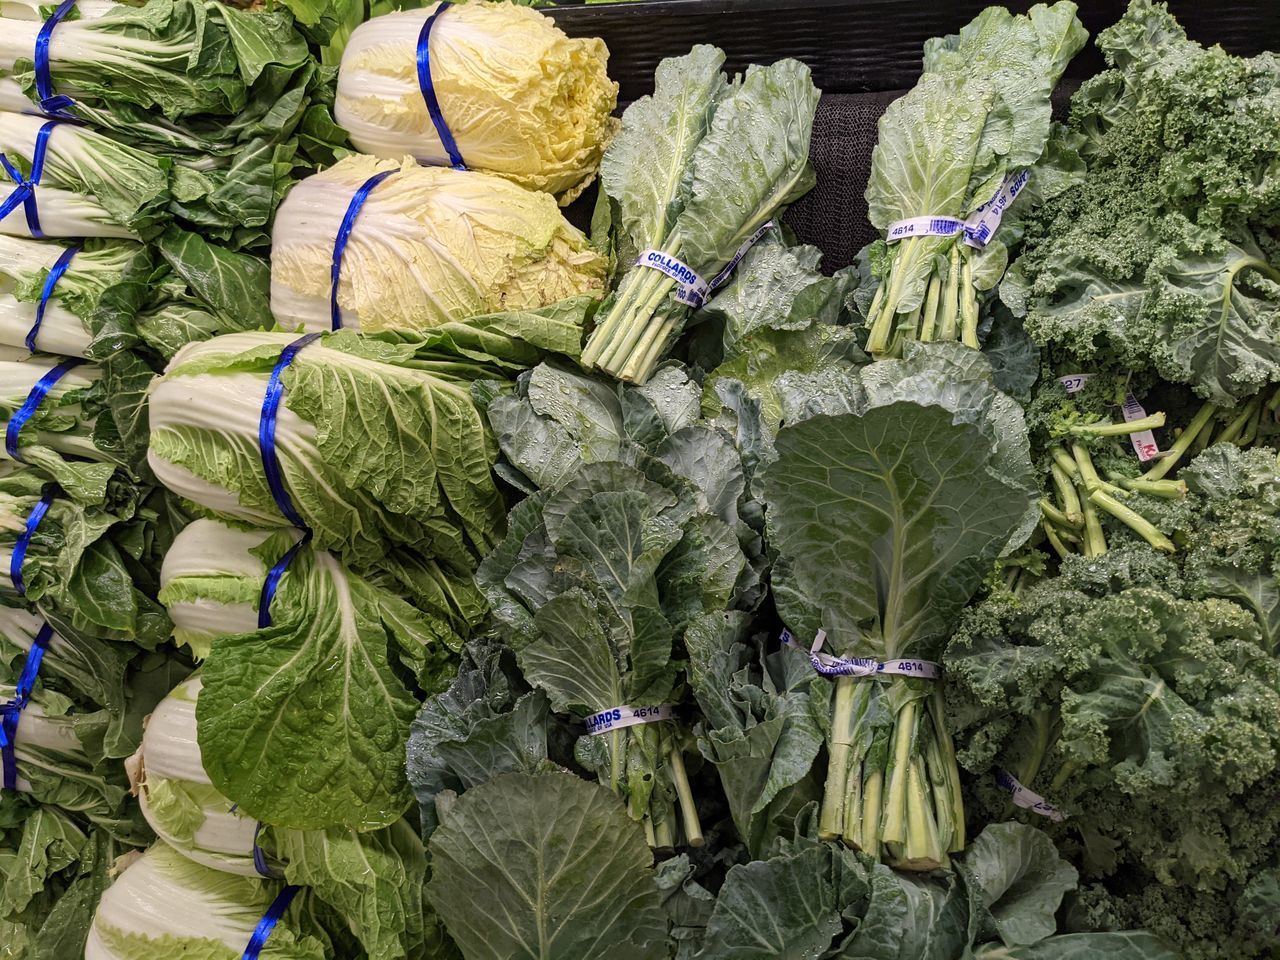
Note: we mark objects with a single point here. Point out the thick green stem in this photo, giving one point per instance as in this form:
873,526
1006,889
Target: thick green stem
872,794
688,809
894,829
616,744
1168,489
1095,541
1055,541
664,836
882,327
1054,515
1117,429
831,819
1169,459
929,318
1133,520
950,301
1066,773
1235,430
636,323
968,305
923,845
1067,495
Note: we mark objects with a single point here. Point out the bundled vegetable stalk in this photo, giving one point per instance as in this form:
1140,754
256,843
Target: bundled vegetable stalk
517,96
699,169
953,154
430,245
921,486
633,532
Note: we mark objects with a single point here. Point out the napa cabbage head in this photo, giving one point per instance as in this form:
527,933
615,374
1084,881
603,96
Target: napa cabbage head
522,99
431,245
164,905
176,796
210,583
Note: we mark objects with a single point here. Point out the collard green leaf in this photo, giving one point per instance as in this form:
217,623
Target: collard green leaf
546,866
887,522
1018,879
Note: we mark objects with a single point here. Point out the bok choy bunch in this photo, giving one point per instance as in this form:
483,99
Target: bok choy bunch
893,491
978,117
698,169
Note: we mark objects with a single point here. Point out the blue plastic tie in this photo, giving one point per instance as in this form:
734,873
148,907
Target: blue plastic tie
272,580
267,431
12,711
55,274
260,857
34,399
340,242
269,921
52,104
24,190
429,89
19,555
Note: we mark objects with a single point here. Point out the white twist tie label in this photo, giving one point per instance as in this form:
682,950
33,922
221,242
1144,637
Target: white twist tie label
982,224
1144,441
691,289
978,228
615,718
831,666
1022,797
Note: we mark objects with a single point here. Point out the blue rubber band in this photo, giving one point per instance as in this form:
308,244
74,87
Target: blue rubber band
272,580
24,190
267,431
11,712
260,857
269,921
340,242
50,103
34,399
429,90
19,555
55,274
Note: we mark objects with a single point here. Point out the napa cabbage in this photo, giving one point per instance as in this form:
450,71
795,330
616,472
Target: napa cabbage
430,245
521,99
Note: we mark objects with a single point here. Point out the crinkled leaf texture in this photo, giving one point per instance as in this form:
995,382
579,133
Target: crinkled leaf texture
537,866
303,723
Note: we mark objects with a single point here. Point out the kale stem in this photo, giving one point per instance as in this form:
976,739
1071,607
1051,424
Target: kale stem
831,819
1125,428
1133,520
930,317
1054,540
1180,446
1066,773
1064,462
688,810
1054,515
894,829
1168,489
1095,542
1067,495
1232,432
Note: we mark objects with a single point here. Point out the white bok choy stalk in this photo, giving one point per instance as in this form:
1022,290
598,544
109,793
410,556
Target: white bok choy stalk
430,245
68,323
90,185
521,99
176,796
164,905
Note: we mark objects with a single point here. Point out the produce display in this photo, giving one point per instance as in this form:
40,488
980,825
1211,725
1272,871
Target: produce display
445,516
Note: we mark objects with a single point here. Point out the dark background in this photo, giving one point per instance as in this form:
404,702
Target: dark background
864,54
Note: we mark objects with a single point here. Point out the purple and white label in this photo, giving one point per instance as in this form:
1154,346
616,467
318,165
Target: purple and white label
982,224
1022,797
691,289
615,718
832,666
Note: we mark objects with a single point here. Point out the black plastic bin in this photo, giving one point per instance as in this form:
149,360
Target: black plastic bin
864,54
